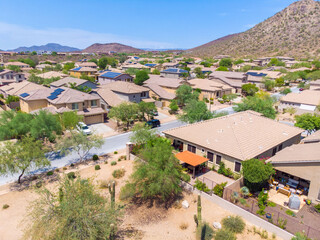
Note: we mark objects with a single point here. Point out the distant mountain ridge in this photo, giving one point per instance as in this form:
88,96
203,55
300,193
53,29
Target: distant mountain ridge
294,31
111,47
53,47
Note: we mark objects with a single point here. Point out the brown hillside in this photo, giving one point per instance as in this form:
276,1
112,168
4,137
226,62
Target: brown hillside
295,31
111,47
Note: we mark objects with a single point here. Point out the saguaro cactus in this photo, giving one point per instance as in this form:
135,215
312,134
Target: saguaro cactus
112,191
112,232
199,217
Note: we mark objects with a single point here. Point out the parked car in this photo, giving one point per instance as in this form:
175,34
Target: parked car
153,123
154,113
301,89
82,127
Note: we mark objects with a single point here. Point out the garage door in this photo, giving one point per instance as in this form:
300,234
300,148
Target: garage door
93,119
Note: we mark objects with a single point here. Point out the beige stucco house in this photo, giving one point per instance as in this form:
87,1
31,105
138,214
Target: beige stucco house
234,138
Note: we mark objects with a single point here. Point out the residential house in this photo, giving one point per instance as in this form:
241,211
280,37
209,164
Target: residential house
137,66
234,138
77,72
48,61
42,66
170,65
9,76
173,72
304,102
233,79
52,74
300,163
65,82
210,89
114,93
265,73
63,99
163,89
290,64
86,64
21,65
107,76
315,84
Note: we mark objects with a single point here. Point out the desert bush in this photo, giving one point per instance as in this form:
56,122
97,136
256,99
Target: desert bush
5,206
207,232
218,189
119,159
71,175
184,226
201,186
127,192
113,163
97,167
95,157
106,162
224,234
115,152
234,224
38,184
105,183
57,170
50,173
64,168
119,173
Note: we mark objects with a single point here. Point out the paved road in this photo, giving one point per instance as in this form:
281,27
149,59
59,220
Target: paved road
111,144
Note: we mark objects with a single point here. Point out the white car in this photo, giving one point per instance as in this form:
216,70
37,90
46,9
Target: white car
82,127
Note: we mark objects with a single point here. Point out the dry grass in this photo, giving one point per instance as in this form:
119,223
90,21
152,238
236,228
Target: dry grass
184,226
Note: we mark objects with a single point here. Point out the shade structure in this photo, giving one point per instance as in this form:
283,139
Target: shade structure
191,158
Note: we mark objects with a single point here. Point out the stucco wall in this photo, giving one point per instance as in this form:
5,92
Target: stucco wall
32,105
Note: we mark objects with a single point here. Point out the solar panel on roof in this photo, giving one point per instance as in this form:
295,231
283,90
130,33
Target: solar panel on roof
172,70
24,95
52,97
254,74
150,64
76,69
111,74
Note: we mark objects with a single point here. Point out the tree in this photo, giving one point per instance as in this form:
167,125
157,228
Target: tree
225,62
222,69
308,121
229,97
249,89
69,120
80,143
146,108
239,61
141,76
195,111
68,66
173,106
14,68
45,126
76,211
54,53
80,88
125,112
264,106
269,84
93,60
185,93
104,61
279,82
285,91
141,134
256,173
158,176
155,72
276,62
22,156
198,72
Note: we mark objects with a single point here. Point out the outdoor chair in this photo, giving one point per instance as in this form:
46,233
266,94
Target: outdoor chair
284,191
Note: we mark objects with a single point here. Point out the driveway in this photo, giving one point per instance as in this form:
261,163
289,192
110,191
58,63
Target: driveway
100,128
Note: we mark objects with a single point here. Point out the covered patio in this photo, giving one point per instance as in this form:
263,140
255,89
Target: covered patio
193,162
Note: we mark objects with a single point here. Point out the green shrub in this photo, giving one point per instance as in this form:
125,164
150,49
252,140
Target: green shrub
201,186
72,165
119,159
243,201
5,206
290,213
234,224
106,162
224,234
186,177
38,184
71,175
64,168
95,157
271,204
97,167
57,170
115,152
127,192
317,207
113,163
119,173
300,236
207,232
244,191
50,173
262,202
218,189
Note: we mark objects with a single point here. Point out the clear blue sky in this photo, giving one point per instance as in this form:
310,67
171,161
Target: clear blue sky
140,23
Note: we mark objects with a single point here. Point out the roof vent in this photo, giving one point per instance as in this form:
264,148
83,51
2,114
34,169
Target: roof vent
285,133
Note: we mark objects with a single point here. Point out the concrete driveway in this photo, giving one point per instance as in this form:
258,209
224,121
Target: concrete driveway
100,128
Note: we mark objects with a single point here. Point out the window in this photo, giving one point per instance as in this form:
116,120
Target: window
94,103
237,167
274,151
218,159
134,96
75,106
210,156
319,195
191,148
143,94
280,147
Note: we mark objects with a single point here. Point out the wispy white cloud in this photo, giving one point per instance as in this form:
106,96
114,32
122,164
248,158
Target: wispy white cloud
13,36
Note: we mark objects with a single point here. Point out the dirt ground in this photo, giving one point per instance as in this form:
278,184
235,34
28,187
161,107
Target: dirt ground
140,222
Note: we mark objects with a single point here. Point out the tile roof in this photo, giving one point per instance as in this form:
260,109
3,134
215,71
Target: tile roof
51,74
298,153
207,85
67,96
111,98
218,74
84,69
65,81
20,87
124,87
191,158
314,137
161,92
242,135
308,97
174,70
164,82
